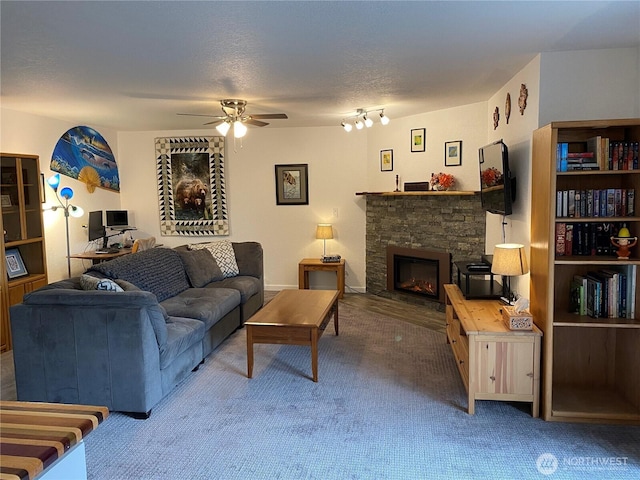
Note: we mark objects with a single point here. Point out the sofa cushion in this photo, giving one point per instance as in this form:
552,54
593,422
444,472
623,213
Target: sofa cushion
182,333
157,270
224,255
89,282
246,285
200,266
208,305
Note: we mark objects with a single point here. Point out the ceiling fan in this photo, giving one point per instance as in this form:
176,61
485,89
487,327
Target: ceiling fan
234,115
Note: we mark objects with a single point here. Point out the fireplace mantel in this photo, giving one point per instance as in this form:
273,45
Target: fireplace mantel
428,192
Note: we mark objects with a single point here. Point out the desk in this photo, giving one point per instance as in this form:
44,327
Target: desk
307,265
100,257
44,440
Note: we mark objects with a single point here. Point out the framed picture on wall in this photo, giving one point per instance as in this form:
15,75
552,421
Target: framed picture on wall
292,184
453,153
386,160
418,140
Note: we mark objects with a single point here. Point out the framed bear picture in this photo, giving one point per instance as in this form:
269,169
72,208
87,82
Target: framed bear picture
191,186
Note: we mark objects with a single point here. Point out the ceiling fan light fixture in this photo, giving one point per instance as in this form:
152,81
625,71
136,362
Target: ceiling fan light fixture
239,129
223,128
368,122
384,120
347,126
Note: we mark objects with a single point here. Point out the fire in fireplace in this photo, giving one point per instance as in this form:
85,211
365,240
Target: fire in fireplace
418,272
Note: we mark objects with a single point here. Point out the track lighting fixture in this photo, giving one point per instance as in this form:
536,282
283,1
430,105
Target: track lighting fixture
362,119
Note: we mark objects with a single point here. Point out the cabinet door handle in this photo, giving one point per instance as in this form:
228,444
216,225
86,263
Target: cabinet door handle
454,341
461,362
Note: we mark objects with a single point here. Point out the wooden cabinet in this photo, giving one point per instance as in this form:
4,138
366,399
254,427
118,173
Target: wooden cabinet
590,365
495,363
24,265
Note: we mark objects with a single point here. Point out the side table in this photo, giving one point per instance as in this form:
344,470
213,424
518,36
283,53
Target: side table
307,265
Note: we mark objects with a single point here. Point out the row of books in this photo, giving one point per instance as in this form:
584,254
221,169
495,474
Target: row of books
606,293
593,239
601,154
610,202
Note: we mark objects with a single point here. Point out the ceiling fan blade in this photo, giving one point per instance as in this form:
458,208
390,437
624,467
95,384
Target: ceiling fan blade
199,115
257,123
214,123
273,116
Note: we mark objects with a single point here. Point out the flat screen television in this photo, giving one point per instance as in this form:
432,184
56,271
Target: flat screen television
96,229
117,218
497,186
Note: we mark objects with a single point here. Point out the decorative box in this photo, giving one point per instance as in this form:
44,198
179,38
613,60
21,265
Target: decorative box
416,186
517,320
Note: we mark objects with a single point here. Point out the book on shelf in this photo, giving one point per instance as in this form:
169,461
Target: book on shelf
589,203
604,293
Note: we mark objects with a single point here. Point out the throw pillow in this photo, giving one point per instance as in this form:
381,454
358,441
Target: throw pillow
224,255
88,282
200,266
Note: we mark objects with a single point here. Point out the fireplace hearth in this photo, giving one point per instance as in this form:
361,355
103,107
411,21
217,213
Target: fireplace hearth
418,272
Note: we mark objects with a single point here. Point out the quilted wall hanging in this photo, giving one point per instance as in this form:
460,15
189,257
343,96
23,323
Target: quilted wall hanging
191,186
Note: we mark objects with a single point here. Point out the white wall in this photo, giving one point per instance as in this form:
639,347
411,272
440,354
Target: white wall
466,123
30,134
336,162
589,85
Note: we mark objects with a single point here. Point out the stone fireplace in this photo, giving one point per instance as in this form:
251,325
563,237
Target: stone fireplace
418,272
449,223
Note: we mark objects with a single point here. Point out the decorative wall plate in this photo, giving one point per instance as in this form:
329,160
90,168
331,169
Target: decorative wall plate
507,108
522,99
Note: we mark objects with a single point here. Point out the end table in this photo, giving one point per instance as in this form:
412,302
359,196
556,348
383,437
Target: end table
307,265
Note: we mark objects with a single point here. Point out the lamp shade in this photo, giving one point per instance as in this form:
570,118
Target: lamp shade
54,181
509,259
324,231
223,128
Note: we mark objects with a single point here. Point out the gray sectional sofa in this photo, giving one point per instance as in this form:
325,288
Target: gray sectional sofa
129,348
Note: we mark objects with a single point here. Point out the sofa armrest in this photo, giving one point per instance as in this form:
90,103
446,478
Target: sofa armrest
81,347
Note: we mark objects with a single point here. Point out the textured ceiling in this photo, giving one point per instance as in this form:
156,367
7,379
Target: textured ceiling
134,65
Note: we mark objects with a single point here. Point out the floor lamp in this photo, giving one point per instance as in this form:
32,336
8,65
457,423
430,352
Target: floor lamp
69,210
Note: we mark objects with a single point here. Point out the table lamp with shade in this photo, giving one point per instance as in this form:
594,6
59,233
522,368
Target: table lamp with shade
509,260
324,231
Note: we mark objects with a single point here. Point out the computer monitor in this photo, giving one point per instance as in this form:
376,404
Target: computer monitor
117,218
96,229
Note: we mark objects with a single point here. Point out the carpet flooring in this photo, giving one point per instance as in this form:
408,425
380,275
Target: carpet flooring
389,404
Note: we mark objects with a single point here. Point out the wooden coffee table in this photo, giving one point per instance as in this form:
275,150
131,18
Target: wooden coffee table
293,317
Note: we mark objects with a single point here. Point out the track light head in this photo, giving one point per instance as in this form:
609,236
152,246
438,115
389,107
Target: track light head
359,124
347,126
367,121
384,120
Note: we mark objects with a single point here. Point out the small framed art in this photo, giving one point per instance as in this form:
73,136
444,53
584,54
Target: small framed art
6,200
15,265
453,153
418,140
386,160
292,184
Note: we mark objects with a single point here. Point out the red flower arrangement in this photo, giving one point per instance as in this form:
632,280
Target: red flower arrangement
442,181
491,177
